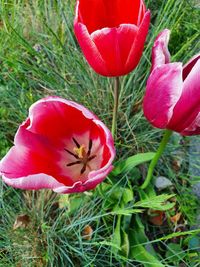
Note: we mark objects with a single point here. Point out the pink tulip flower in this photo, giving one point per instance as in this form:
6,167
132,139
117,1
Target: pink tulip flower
61,146
111,34
172,98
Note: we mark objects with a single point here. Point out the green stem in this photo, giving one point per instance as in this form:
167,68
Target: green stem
157,156
116,104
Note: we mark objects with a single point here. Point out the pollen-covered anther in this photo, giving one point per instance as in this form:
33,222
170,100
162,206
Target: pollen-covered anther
79,152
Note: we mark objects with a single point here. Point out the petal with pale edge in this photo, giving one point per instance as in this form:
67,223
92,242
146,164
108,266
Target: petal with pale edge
44,148
188,107
164,88
160,52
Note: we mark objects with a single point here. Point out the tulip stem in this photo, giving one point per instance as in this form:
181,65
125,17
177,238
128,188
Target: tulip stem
116,104
165,139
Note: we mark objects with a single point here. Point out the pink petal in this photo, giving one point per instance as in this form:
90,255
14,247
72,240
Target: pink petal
160,52
114,45
188,67
193,128
91,183
20,161
138,45
40,159
33,182
164,88
187,108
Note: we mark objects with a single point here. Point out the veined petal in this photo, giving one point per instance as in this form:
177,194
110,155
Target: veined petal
160,52
164,88
114,45
138,45
187,108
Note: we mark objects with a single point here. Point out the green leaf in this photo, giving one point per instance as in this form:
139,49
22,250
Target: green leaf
156,202
125,246
175,253
131,162
116,238
137,250
126,212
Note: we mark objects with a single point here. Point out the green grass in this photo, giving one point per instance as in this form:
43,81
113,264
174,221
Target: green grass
54,235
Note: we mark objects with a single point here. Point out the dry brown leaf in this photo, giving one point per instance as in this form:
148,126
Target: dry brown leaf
21,221
175,219
87,232
156,217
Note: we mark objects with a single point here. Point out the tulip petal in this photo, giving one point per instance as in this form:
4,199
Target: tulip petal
33,182
187,108
114,45
160,52
138,45
51,117
108,14
43,157
20,161
188,67
164,88
89,49
88,185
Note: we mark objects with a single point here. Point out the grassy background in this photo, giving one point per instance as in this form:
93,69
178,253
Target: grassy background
39,56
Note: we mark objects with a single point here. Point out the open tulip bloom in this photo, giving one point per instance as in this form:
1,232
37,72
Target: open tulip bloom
111,34
172,98
61,146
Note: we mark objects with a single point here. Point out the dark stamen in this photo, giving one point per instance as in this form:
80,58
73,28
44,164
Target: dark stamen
92,157
77,144
89,148
71,153
83,169
74,163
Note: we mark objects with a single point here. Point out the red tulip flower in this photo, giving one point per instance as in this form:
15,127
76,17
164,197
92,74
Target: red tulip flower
61,146
172,98
111,34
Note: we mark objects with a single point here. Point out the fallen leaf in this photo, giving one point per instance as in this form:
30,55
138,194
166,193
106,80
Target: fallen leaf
21,221
87,232
156,217
176,218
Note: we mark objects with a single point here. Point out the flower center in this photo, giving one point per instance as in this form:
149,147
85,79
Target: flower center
83,157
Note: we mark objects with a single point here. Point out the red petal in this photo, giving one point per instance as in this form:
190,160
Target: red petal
138,45
56,119
114,45
89,49
109,14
